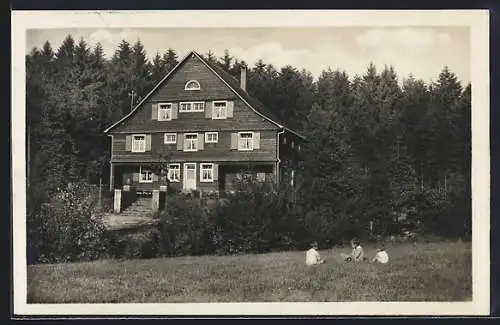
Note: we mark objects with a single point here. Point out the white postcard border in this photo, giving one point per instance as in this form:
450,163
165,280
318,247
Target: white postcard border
477,20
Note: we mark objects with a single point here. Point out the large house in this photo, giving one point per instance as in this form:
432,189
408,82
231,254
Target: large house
203,125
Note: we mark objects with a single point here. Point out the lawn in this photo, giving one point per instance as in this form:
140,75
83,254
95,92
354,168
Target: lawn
416,272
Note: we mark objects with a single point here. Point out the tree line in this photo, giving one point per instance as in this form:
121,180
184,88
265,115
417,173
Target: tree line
377,148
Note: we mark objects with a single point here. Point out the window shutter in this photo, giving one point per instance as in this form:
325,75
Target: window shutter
216,172
208,110
154,177
256,140
201,141
234,140
230,107
135,177
148,142
180,142
175,110
212,109
128,143
154,111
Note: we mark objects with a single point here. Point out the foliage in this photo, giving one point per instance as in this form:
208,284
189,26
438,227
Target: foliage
183,227
138,244
252,219
376,147
67,228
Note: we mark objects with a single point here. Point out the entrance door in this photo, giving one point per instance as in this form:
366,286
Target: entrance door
189,182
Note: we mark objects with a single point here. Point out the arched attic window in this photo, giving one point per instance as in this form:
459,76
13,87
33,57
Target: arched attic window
192,85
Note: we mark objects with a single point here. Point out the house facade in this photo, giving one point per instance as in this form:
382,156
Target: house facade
199,124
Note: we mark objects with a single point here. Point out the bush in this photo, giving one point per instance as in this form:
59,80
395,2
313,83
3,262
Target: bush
255,218
139,244
67,228
183,227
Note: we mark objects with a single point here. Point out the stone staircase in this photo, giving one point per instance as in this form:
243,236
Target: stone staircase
138,214
141,207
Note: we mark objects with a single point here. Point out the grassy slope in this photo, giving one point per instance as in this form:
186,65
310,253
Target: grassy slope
417,272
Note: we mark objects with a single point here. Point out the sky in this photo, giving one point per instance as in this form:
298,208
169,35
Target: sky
420,51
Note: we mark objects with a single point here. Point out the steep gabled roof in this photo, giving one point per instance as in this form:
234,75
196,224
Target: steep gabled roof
229,80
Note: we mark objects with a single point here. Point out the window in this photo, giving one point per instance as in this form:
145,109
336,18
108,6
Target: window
174,172
190,142
170,138
219,110
198,106
185,107
164,112
211,137
192,85
146,176
245,141
207,173
139,143
192,107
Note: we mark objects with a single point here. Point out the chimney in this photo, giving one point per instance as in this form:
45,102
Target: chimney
243,78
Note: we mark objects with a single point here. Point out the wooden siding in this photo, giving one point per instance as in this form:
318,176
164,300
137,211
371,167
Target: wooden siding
219,151
212,88
226,177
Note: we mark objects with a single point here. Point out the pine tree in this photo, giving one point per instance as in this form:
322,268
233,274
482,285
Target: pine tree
226,61
158,68
140,73
120,83
170,59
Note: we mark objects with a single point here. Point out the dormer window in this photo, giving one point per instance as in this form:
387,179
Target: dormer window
192,85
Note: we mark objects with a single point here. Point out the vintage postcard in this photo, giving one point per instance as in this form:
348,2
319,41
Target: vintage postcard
251,162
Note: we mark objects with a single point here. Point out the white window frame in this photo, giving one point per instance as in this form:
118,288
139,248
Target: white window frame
169,108
251,142
171,169
165,141
211,179
198,110
141,180
225,110
185,141
191,107
133,148
198,87
211,133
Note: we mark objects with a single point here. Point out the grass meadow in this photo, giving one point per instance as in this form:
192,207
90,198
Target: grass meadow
416,272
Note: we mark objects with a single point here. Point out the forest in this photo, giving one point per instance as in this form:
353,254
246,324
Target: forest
379,145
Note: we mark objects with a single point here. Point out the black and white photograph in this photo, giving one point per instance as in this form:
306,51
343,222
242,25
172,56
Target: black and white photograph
251,162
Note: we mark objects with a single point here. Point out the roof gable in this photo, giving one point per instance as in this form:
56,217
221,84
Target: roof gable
226,78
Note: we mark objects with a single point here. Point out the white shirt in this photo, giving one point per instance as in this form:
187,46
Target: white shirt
312,257
381,257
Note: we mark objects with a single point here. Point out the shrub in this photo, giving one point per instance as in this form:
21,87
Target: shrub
138,244
255,218
67,228
183,227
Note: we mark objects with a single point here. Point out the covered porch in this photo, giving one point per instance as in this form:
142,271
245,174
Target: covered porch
189,175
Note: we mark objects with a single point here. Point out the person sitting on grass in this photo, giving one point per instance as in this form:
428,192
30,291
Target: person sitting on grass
381,256
312,255
357,254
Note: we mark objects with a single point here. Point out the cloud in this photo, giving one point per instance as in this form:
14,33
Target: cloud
110,39
273,53
420,51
